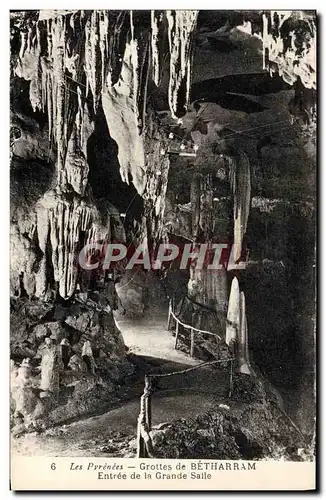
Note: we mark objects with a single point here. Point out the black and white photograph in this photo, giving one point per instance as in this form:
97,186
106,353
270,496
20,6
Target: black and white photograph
163,237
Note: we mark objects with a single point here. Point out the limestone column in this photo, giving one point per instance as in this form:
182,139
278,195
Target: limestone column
244,363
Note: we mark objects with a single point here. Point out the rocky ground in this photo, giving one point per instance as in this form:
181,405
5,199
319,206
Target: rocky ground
248,426
193,417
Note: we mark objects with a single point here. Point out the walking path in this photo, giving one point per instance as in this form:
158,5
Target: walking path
113,433
149,337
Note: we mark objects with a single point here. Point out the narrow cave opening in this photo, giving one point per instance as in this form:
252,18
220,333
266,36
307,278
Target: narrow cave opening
104,175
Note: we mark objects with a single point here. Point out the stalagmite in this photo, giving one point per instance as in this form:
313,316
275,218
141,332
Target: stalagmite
233,315
243,352
50,366
23,373
76,364
87,355
65,348
23,394
181,25
241,188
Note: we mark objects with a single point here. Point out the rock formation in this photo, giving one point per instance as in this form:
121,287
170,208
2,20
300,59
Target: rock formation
152,126
50,367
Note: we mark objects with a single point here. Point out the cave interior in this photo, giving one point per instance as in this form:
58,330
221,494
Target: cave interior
165,127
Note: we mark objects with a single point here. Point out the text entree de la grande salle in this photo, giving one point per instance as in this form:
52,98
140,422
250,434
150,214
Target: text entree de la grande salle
180,470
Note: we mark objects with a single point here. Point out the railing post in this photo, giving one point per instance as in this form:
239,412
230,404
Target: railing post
176,334
140,441
192,342
148,403
141,448
144,420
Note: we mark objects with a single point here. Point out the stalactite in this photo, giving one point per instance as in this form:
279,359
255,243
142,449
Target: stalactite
241,189
201,198
47,73
23,259
233,315
157,169
205,286
58,33
181,24
50,88
117,38
120,112
76,165
209,288
142,101
94,56
156,20
134,65
113,57
28,66
62,222
289,46
206,205
104,24
124,104
50,84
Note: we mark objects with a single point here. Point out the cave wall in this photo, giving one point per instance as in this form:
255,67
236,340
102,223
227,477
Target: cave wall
94,98
274,125
86,168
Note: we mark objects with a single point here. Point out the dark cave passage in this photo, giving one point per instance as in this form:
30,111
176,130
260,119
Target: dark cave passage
104,176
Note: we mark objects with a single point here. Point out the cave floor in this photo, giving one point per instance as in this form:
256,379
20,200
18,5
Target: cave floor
116,428
151,348
149,337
